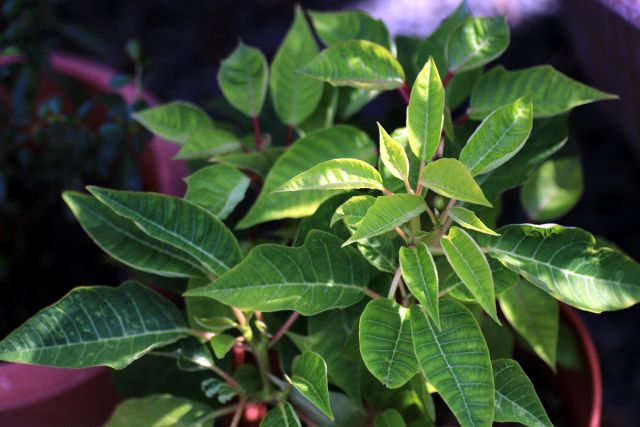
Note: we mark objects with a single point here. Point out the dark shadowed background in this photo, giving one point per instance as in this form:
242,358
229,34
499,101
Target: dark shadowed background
186,40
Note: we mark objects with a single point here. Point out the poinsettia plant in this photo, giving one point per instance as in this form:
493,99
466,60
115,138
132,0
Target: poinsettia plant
334,280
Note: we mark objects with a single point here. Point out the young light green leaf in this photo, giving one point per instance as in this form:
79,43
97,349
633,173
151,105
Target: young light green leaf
243,79
357,63
534,314
319,146
175,121
310,279
470,264
468,219
385,342
421,276
452,179
553,190
456,361
564,262
425,112
258,162
217,188
94,326
387,213
294,95
334,27
335,174
124,241
205,143
161,410
389,418
309,376
475,42
516,398
393,155
499,137
551,91
221,344
353,210
282,415
178,223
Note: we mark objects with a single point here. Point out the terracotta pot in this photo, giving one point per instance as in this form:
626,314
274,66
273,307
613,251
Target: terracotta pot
36,396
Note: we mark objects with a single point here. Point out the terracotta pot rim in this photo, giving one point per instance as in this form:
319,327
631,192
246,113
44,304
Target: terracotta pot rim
591,355
161,175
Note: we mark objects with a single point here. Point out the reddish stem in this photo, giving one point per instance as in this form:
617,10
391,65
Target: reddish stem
447,78
256,132
289,138
405,91
461,120
284,328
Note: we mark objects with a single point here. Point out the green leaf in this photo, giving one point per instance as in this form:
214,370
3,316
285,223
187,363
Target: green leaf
468,219
516,398
175,121
451,178
353,210
161,410
205,143
336,174
547,137
319,146
553,190
499,137
385,342
258,162
475,42
456,361
387,213
460,86
282,415
178,223
357,63
389,418
421,276
124,241
309,376
470,264
503,279
534,314
243,79
564,262
393,155
425,112
217,188
310,279
499,338
551,91
294,95
221,344
334,27
94,326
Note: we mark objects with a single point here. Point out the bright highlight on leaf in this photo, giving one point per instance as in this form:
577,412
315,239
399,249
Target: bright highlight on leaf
421,276
452,179
336,174
477,41
357,63
393,155
468,219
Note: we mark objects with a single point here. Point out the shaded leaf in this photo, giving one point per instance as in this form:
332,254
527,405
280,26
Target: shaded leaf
389,418
310,279
206,142
335,174
221,344
281,415
217,188
309,376
175,121
161,410
475,42
385,342
421,276
258,162
243,79
94,326
451,178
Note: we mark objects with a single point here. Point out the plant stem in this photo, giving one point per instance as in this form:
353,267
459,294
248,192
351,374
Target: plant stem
289,137
405,91
306,419
432,216
447,78
419,187
284,328
415,226
256,132
461,120
387,192
218,413
407,185
225,376
372,294
394,283
261,352
237,416
242,321
402,234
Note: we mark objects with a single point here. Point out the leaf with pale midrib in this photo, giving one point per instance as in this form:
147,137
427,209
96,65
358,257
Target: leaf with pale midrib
175,121
564,262
385,342
217,188
421,276
309,376
451,178
516,398
178,223
281,415
393,155
456,361
475,42
124,241
93,326
336,174
468,219
310,279
356,63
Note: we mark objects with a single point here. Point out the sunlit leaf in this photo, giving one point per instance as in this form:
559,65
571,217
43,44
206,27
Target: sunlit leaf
468,219
309,376
217,188
475,42
393,155
421,276
452,179
335,174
